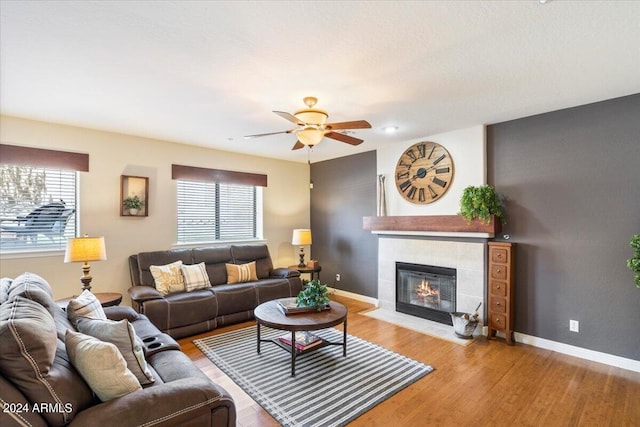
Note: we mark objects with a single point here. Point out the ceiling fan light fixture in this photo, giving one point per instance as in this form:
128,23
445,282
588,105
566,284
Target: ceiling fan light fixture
312,116
310,136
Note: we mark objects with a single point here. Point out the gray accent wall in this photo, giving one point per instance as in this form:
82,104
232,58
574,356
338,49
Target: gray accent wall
572,184
344,191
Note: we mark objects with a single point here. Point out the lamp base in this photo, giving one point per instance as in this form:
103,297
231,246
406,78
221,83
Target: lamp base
302,264
86,277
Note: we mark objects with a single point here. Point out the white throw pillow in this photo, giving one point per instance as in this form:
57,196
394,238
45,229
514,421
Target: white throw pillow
101,365
195,277
86,305
168,278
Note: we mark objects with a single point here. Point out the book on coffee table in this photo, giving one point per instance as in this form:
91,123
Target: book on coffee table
289,306
304,340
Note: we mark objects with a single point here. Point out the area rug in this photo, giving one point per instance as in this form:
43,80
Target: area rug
328,389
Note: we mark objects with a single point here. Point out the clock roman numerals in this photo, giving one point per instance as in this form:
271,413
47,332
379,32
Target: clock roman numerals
424,173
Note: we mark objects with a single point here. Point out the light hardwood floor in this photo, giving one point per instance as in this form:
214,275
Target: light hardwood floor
487,383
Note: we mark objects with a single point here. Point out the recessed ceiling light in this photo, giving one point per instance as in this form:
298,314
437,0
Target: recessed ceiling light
390,129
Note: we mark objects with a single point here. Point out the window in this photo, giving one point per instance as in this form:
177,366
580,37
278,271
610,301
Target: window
210,211
37,208
38,198
218,205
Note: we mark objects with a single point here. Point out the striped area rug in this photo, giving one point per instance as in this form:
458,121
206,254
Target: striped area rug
328,389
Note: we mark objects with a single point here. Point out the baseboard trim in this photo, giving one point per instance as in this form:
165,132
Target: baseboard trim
356,297
558,347
582,353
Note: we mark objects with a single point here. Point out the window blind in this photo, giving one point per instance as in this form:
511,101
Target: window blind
212,211
37,208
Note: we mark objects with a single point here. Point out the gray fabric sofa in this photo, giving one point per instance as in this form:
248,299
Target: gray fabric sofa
184,314
40,386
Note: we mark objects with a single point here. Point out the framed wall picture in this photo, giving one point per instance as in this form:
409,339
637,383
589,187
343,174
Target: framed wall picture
134,195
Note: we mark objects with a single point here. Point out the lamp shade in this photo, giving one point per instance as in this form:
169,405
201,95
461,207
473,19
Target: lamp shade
310,136
82,249
301,236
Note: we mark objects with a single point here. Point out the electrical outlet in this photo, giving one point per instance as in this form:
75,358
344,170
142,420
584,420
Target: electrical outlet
337,277
574,326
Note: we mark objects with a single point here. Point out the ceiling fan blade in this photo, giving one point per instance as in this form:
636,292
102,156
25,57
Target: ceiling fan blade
298,145
343,138
356,124
267,134
290,117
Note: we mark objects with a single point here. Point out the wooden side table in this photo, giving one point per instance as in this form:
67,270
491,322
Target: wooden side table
309,270
107,299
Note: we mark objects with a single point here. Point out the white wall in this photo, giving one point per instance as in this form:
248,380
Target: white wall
467,147
286,199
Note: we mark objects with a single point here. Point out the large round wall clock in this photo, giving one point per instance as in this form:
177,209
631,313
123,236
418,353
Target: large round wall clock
424,173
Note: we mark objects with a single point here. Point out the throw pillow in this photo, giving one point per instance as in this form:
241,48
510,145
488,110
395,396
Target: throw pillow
195,277
122,335
28,348
87,305
168,278
241,273
101,365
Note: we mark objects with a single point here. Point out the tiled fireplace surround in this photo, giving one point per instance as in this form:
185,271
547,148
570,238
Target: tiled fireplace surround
467,256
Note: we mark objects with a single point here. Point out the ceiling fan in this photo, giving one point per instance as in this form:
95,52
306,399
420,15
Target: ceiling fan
313,127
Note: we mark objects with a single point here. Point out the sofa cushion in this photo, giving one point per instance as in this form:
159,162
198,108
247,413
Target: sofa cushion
243,254
27,354
123,335
35,288
214,259
241,273
195,277
86,304
236,298
101,365
168,278
147,259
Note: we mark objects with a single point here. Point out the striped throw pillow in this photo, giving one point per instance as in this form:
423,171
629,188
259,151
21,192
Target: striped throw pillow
195,277
87,305
241,273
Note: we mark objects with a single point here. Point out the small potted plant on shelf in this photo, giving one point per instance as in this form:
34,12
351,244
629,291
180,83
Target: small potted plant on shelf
634,262
480,203
133,204
314,295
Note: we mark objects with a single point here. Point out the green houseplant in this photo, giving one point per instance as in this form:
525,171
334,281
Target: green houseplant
315,295
634,262
480,203
133,204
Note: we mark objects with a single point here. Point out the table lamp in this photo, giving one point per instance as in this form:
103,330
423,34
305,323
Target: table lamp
301,236
85,249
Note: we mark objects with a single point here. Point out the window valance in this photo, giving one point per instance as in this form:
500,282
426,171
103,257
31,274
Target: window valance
192,173
40,157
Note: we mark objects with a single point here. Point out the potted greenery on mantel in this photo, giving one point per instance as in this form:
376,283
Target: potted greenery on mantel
634,262
481,203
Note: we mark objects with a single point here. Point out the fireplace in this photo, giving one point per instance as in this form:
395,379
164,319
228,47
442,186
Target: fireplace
426,291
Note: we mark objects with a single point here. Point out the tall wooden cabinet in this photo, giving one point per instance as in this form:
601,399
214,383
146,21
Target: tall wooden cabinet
501,289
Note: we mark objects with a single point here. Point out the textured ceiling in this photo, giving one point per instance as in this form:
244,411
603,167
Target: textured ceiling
207,73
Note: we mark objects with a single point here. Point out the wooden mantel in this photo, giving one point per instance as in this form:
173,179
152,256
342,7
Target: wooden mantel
435,225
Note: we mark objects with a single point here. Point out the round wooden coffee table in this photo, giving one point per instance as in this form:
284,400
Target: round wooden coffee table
271,315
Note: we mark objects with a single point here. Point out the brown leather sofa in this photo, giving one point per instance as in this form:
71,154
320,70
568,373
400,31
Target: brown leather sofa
39,386
184,314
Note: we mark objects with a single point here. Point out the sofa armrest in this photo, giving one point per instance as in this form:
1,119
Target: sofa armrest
121,312
284,273
169,404
144,293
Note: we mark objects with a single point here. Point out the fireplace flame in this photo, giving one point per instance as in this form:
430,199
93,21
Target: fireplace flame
425,291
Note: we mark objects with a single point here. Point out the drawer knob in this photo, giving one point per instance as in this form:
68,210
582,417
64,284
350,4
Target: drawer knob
498,271
497,286
498,303
497,320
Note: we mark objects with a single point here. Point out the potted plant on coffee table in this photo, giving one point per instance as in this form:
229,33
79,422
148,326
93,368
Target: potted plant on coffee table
314,295
133,204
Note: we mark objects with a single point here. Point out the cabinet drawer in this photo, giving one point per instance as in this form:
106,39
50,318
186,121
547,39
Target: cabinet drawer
498,287
498,255
498,271
498,321
497,305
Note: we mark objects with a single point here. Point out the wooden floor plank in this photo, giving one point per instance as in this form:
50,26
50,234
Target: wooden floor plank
487,383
